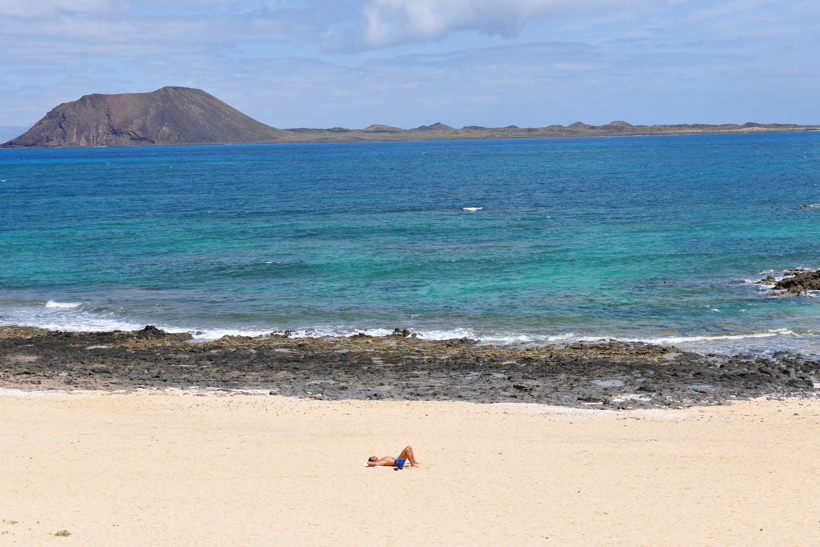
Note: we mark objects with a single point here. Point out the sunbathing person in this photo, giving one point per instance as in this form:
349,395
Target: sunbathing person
405,456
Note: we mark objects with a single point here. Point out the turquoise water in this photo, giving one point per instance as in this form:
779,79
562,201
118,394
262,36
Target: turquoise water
649,238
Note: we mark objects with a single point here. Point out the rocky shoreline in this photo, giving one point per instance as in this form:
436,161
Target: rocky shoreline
795,282
605,374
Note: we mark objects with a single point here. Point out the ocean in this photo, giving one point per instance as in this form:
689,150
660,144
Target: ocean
528,241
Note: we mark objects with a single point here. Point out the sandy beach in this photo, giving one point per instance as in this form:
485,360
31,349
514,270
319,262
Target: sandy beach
175,468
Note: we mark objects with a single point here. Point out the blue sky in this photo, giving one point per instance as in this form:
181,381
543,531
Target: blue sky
351,63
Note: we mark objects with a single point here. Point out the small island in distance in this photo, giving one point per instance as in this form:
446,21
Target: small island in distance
182,115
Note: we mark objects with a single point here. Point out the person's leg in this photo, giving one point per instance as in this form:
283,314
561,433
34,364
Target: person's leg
407,454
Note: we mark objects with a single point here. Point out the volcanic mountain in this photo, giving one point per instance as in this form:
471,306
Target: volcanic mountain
171,115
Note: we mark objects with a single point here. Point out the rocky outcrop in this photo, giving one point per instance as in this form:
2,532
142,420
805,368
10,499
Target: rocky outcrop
168,116
399,367
799,282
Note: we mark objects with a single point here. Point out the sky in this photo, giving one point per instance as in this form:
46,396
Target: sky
406,63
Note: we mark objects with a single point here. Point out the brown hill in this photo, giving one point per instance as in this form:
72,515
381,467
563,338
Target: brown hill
435,127
171,115
378,128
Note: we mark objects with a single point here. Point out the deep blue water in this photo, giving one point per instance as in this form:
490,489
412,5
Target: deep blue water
652,238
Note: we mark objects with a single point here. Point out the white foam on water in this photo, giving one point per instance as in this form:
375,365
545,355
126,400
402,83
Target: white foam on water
73,316
663,340
63,305
777,275
209,335
63,317
472,209
766,342
762,286
572,337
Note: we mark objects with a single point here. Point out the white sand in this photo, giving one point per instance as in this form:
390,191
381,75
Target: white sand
167,470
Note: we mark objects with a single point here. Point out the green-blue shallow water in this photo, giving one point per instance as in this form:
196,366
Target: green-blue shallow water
649,238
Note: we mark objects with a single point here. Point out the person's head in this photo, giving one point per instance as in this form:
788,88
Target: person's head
373,459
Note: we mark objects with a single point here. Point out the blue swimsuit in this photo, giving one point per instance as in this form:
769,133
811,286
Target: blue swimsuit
400,462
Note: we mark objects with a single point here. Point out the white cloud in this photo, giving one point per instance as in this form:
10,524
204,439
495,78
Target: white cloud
391,22
50,40
186,2
594,60
42,8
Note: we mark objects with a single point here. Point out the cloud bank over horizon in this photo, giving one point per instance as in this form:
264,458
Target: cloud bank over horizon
350,63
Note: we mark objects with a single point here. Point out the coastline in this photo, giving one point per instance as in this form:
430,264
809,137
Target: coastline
614,129
186,469
438,132
399,367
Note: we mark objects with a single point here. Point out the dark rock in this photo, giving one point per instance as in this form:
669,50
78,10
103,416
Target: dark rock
397,367
150,332
800,383
799,282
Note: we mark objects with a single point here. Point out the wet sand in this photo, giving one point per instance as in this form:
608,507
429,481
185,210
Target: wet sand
153,467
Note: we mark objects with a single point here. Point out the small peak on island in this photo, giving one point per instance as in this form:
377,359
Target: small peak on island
616,126
618,123
435,127
378,128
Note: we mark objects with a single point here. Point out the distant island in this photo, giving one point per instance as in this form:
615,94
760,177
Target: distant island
182,115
